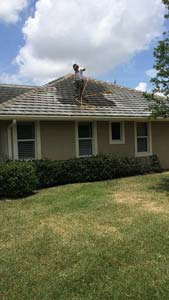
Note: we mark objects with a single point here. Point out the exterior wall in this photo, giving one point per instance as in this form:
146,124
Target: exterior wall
58,140
104,147
3,140
160,142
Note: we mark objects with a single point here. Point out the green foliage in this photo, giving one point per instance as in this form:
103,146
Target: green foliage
52,173
166,2
17,179
160,107
161,54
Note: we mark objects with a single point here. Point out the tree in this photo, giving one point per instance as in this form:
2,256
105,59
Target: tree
160,105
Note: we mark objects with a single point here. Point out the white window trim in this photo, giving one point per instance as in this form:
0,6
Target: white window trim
37,140
148,153
38,154
94,139
15,142
122,130
10,138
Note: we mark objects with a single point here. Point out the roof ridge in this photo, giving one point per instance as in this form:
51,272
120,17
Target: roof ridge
117,85
97,80
59,79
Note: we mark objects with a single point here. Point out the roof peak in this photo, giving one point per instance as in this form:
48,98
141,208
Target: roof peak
117,85
67,76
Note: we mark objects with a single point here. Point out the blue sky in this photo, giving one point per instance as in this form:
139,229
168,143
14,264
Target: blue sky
24,61
11,41
134,72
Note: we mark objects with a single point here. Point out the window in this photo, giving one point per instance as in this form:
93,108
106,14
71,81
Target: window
143,146
116,133
85,139
26,140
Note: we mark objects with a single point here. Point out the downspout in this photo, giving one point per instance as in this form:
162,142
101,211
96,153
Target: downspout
10,151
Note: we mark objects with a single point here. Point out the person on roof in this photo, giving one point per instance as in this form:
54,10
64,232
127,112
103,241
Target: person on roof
79,81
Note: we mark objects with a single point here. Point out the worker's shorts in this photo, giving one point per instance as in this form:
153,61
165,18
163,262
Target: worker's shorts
79,86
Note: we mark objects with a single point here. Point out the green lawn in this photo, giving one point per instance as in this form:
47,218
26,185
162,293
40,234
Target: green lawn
105,241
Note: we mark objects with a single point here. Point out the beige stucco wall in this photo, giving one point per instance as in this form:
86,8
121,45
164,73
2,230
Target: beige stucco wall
104,147
160,142
58,140
3,140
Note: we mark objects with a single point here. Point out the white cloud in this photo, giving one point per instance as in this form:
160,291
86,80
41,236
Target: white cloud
151,73
6,78
10,10
97,34
142,87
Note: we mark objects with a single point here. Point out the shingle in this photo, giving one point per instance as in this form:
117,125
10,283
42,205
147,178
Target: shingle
57,99
8,91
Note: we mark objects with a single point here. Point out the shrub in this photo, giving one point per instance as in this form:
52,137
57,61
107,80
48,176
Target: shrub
17,179
102,167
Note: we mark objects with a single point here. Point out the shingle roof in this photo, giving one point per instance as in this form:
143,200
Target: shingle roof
8,91
57,99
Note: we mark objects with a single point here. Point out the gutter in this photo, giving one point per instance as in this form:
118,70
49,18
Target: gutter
15,118
69,117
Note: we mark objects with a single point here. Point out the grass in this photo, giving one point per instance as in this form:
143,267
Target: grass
107,241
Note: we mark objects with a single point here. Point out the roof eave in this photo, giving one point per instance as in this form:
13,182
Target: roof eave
76,118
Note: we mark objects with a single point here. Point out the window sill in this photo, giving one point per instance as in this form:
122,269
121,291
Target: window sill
143,154
85,156
27,159
117,142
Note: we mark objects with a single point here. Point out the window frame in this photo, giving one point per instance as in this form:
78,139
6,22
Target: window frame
120,141
37,141
93,138
27,140
149,140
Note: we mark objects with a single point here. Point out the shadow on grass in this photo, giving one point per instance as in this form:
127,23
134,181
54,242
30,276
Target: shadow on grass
16,198
162,186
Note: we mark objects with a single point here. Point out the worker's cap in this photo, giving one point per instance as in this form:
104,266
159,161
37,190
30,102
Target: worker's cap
75,66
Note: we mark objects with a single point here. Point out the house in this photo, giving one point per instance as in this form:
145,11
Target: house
46,123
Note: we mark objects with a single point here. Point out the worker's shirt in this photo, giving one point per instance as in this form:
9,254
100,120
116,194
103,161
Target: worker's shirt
79,74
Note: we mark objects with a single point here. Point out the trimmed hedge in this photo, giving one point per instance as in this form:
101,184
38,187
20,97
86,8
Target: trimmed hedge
18,179
102,167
